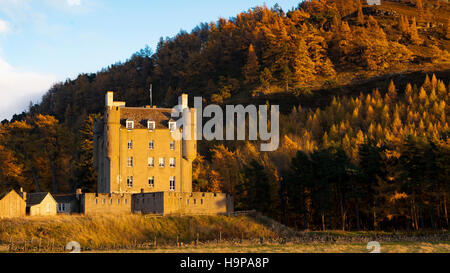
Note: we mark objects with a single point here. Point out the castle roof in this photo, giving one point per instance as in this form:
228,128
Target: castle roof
140,116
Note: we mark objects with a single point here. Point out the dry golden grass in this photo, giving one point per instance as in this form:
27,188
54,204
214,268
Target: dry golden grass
216,234
127,230
398,247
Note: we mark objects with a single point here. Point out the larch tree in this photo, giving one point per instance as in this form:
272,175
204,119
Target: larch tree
419,5
414,34
447,34
360,16
251,68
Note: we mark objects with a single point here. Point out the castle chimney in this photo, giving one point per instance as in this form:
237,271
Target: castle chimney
109,99
183,101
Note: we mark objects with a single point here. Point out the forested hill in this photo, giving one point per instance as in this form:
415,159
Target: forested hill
367,145
267,52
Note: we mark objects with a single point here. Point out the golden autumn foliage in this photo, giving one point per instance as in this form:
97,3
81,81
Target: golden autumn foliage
393,126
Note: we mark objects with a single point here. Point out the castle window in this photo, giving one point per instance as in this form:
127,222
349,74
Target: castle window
130,144
172,183
110,201
172,145
195,201
130,162
103,201
201,201
118,201
130,124
162,162
151,145
151,162
172,126
125,201
130,181
151,182
172,162
151,125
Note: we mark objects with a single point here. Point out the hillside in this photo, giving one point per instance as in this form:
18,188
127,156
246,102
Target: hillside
364,135
267,52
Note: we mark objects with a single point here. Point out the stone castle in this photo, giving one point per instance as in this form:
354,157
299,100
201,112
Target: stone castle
137,159
134,150
141,169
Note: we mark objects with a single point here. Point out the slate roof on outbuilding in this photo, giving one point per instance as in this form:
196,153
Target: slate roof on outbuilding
65,198
35,198
3,194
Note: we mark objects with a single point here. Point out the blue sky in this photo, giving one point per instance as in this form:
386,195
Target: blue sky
46,41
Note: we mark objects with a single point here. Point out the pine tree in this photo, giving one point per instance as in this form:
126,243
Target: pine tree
401,24
392,91
251,68
447,35
414,34
419,5
265,78
85,174
360,16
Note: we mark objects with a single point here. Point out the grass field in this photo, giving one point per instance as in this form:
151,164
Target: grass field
215,234
397,247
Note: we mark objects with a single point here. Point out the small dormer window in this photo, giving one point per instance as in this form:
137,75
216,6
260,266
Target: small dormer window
151,125
130,124
172,126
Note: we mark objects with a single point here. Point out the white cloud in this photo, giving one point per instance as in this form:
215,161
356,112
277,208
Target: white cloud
72,3
18,88
4,27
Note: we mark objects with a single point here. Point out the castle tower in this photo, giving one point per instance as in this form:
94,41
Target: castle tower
134,150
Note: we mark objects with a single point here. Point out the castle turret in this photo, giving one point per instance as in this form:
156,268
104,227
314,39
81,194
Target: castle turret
189,146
